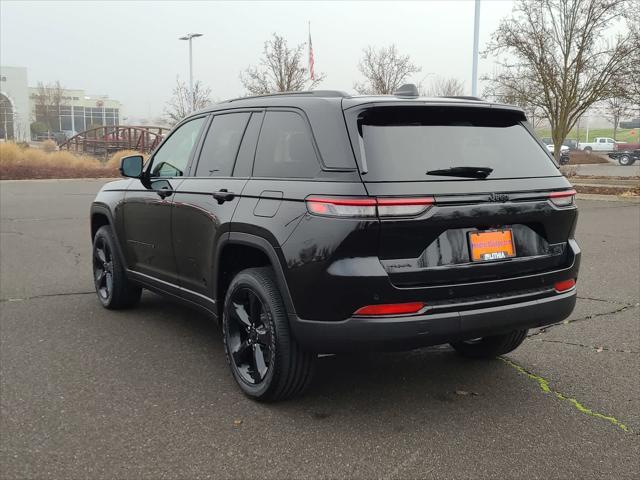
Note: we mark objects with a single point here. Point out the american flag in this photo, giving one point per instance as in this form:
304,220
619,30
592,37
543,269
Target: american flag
312,73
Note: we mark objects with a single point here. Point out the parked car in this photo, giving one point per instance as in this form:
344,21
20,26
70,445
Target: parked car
317,222
599,144
548,141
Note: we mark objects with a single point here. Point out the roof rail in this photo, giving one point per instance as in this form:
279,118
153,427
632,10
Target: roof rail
304,93
463,97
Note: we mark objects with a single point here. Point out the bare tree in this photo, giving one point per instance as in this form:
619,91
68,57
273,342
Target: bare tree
615,109
513,96
180,104
633,18
281,69
445,87
48,99
558,59
384,70
633,91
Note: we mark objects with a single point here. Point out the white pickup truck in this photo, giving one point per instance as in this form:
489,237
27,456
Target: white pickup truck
599,144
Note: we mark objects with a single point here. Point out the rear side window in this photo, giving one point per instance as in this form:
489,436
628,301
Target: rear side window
403,143
285,149
221,145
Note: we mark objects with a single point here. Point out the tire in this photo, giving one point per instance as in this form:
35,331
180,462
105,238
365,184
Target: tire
490,347
266,361
588,149
625,160
109,276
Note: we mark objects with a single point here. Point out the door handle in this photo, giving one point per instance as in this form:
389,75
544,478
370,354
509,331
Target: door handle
223,195
164,193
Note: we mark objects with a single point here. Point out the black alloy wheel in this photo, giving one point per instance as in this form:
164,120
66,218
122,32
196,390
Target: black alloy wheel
114,289
249,336
265,359
103,269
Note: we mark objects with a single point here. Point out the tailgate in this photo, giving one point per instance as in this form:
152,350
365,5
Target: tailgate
434,248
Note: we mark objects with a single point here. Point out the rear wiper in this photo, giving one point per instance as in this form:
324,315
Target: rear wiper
471,172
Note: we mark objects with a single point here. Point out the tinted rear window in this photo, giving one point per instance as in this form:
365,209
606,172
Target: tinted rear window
403,143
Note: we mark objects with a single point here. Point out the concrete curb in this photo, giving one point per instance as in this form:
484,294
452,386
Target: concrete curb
607,198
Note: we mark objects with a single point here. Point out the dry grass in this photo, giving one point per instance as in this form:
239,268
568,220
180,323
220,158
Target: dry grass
114,160
49,146
578,157
18,163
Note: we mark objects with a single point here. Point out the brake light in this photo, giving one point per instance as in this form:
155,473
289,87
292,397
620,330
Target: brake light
563,199
368,206
390,309
564,285
342,207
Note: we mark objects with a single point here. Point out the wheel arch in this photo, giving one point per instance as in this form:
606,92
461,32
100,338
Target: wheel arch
101,216
243,250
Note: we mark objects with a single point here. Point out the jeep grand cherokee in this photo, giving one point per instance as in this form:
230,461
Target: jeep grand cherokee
318,222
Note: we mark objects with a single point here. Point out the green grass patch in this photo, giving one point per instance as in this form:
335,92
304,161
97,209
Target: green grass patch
623,135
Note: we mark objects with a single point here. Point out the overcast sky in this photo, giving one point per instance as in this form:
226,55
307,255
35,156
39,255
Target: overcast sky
131,52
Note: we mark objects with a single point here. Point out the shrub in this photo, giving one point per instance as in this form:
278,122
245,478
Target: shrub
22,163
114,160
38,128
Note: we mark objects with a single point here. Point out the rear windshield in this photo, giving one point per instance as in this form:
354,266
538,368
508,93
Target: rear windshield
403,143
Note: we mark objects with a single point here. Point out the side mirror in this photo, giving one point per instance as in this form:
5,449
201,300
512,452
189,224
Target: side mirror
131,166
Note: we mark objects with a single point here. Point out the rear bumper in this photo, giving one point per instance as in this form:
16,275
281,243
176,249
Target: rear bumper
407,332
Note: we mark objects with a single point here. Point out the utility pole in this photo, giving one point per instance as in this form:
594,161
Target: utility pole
476,36
190,37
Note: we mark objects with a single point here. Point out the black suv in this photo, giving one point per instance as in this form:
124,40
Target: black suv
318,222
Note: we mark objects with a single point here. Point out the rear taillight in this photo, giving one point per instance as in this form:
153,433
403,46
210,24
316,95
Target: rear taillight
342,206
390,309
368,206
563,199
564,285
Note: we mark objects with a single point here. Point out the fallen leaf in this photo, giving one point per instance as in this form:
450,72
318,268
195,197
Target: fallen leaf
237,422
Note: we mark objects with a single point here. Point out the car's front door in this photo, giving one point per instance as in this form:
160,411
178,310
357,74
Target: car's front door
204,202
147,204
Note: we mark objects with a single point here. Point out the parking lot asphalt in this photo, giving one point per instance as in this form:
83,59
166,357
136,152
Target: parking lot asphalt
145,393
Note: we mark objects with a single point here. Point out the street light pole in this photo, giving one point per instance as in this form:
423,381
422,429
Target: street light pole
190,37
476,35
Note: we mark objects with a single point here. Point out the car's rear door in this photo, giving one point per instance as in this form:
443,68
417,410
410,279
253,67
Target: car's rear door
206,200
397,146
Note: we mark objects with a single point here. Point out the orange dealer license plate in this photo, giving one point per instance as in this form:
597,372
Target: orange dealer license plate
491,245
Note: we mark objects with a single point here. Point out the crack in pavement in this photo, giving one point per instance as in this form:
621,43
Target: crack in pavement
606,300
581,319
544,386
70,249
45,295
596,348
